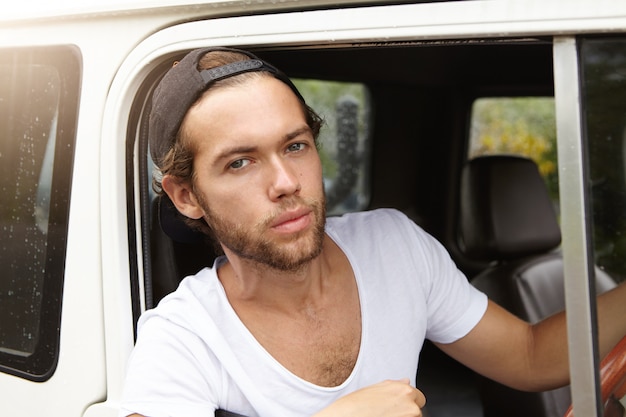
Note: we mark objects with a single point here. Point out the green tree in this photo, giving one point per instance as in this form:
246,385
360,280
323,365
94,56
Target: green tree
323,96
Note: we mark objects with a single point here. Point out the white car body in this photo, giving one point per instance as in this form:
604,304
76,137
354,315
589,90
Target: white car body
121,43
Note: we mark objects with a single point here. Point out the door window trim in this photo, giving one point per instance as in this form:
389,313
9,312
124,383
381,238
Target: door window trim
576,242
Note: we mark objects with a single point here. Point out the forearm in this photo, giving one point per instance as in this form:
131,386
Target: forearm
533,357
509,350
548,354
550,362
611,318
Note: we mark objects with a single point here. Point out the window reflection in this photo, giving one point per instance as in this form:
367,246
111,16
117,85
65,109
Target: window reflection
39,90
604,94
28,103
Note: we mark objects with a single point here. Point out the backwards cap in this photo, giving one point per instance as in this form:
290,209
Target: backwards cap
183,85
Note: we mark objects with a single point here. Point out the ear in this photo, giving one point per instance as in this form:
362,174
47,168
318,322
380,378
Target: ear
182,196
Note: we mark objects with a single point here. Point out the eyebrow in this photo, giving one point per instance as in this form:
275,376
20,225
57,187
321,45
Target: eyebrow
234,150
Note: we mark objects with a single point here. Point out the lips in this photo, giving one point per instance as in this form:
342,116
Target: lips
292,221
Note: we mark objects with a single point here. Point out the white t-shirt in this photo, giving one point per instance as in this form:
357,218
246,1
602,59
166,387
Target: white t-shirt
194,355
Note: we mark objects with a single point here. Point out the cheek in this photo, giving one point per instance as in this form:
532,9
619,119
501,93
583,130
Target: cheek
235,200
229,198
313,175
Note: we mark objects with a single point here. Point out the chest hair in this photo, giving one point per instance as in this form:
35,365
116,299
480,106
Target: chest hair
321,349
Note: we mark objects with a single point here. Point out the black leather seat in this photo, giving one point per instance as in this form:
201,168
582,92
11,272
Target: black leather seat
508,220
176,250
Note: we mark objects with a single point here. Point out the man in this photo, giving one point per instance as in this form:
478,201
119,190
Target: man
302,315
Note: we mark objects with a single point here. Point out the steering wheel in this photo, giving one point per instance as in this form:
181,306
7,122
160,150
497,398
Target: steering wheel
612,380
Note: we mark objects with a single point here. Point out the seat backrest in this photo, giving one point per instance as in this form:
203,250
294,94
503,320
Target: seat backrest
508,220
505,209
176,250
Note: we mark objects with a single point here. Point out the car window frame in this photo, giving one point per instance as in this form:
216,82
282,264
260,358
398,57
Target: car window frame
175,40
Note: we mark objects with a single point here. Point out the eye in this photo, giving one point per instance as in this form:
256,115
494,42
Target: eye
239,163
296,147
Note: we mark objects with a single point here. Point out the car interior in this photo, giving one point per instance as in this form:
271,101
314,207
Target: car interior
492,213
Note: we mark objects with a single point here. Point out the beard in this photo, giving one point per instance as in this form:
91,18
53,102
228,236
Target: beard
253,243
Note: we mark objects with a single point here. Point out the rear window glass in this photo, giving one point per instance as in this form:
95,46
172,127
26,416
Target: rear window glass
38,95
524,126
344,140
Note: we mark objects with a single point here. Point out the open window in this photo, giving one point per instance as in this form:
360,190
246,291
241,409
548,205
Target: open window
344,145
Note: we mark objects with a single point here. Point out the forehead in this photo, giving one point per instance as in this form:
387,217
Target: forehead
252,109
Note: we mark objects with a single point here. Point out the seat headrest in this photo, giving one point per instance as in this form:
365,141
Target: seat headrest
505,209
173,223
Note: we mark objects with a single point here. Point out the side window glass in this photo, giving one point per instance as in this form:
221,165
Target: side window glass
604,95
524,126
38,95
344,141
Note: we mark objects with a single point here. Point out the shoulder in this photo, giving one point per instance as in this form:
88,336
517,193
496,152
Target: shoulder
376,219
183,307
390,236
379,226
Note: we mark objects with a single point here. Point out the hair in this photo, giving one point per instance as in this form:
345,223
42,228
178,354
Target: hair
178,162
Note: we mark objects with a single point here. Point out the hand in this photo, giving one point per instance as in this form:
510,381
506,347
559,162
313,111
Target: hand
387,398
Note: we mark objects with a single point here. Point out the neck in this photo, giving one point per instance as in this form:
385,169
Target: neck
249,281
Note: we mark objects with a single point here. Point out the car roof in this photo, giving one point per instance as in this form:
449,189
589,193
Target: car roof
28,10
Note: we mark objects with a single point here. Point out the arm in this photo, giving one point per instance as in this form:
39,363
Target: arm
533,357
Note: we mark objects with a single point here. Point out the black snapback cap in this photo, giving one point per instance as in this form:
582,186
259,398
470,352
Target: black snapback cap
183,85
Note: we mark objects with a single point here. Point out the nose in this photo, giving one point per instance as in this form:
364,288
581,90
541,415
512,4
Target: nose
285,180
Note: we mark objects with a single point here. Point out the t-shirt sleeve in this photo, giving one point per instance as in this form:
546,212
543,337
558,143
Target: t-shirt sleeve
396,253
454,305
176,386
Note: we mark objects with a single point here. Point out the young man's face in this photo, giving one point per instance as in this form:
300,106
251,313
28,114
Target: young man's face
258,176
